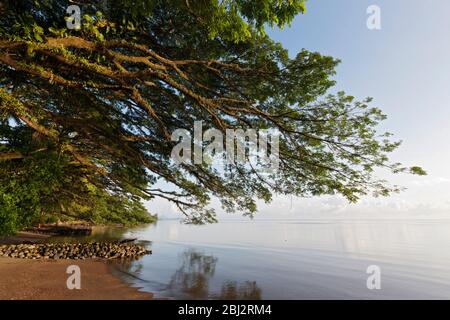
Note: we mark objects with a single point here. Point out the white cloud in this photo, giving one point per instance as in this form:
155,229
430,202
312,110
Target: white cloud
430,182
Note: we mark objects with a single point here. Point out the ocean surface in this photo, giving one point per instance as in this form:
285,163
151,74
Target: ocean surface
291,259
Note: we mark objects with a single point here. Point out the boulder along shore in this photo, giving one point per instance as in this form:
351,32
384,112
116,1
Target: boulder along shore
76,251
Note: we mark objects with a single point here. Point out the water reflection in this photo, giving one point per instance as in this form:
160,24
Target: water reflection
192,280
194,274
248,290
292,259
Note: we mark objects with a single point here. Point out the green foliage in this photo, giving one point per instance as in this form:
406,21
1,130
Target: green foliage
103,208
24,192
46,188
230,20
87,114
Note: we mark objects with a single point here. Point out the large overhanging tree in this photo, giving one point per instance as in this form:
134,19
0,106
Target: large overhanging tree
87,115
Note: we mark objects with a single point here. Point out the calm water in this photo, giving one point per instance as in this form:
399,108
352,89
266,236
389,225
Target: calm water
297,259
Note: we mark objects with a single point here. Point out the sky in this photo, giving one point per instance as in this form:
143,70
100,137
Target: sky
405,67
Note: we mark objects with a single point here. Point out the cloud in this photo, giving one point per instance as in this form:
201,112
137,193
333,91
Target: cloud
430,182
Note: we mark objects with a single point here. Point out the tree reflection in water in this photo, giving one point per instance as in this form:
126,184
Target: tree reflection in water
192,280
248,290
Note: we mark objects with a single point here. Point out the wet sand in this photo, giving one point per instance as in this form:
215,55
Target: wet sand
46,280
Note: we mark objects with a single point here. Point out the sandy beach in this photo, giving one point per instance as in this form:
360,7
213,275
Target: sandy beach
46,280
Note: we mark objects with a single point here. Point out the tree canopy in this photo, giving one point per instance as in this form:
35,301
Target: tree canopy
86,115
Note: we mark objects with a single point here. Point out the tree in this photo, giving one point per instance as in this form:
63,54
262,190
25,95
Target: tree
107,97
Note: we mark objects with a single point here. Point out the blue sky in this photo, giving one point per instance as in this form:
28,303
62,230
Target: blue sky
405,67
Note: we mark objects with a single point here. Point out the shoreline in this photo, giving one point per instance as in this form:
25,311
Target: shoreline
22,279
24,237
26,279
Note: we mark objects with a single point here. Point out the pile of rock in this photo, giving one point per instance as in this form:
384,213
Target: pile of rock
91,250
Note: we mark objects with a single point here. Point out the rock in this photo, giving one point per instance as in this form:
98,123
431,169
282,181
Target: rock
76,251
